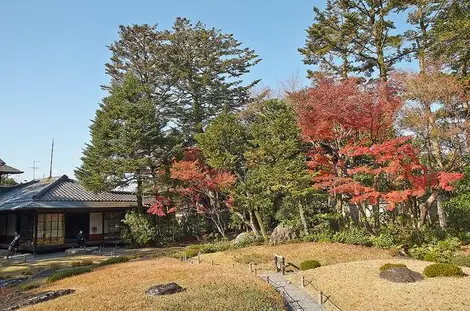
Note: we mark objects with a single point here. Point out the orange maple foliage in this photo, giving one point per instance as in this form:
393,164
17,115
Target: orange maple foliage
350,128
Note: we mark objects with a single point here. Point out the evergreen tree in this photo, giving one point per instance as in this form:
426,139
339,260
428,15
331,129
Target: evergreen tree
367,25
127,141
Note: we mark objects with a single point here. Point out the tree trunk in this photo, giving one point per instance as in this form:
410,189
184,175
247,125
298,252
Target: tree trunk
252,223
140,204
260,223
366,222
441,213
302,218
424,209
249,223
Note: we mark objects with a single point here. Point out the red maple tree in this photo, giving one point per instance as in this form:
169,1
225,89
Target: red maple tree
354,152
203,188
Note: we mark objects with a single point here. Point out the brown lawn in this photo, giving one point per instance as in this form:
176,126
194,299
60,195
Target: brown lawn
16,268
122,287
325,253
357,286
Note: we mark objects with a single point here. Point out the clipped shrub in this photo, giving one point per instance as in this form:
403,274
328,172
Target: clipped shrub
309,264
114,260
68,273
461,260
388,266
322,236
247,239
353,236
442,269
85,262
191,252
215,247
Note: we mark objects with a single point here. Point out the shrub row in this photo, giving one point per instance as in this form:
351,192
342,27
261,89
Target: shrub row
68,273
114,260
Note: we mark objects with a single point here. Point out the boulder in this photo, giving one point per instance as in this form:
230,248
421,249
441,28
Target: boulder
81,251
400,275
164,289
282,234
244,238
41,297
12,282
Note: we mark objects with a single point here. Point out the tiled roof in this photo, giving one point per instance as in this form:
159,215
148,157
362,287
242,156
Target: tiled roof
58,191
70,190
5,169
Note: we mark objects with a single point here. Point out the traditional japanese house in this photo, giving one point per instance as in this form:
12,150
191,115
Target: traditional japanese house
49,214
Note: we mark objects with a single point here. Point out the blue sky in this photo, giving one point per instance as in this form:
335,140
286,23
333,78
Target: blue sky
52,56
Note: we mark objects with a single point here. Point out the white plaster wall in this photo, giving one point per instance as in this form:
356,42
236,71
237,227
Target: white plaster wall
96,220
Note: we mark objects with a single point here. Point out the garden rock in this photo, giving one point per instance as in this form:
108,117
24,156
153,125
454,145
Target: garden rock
80,251
12,282
164,289
282,234
245,237
41,297
400,275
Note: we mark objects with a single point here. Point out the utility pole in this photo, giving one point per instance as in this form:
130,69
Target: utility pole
52,156
34,168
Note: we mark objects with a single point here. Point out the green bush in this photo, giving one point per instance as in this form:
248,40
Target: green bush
388,266
249,239
442,269
84,262
461,260
353,236
440,251
322,236
215,247
191,252
68,273
385,240
309,264
114,260
138,229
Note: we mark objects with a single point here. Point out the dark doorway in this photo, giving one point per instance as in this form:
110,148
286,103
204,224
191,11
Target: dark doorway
75,222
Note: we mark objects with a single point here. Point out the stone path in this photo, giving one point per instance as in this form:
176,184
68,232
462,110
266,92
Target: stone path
298,299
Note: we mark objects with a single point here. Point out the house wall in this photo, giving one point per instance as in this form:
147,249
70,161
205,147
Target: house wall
96,221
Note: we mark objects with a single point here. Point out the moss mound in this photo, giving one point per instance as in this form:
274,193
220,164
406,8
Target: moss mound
309,264
388,266
442,269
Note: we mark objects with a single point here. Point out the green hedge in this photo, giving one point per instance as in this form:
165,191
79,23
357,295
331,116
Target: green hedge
442,269
114,260
68,273
309,264
461,260
388,266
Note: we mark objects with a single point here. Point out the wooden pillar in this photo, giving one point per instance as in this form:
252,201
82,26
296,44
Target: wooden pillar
102,226
35,234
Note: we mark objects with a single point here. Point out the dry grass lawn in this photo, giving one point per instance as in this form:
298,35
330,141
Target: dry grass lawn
16,268
325,253
357,286
122,287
